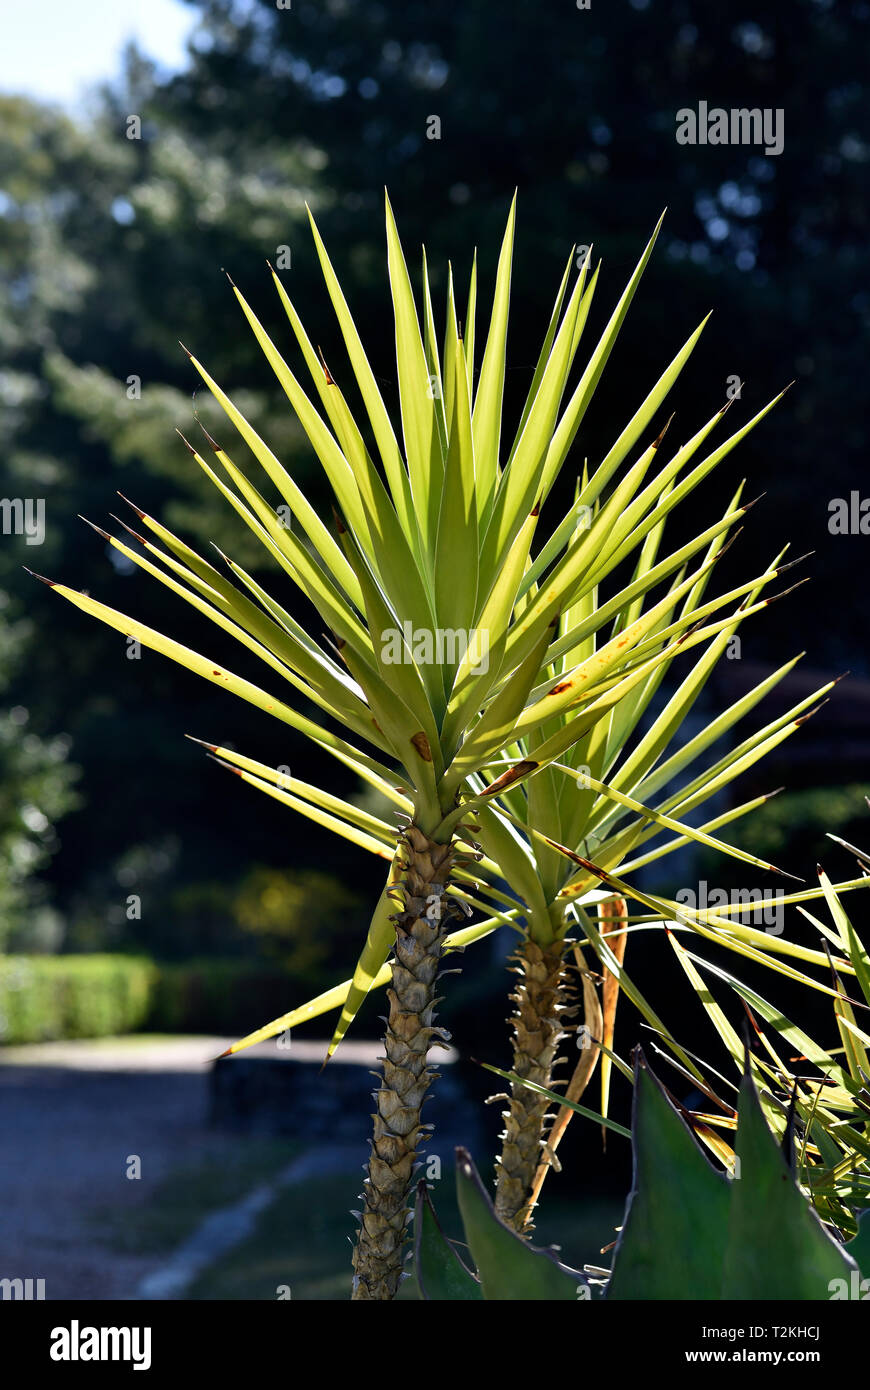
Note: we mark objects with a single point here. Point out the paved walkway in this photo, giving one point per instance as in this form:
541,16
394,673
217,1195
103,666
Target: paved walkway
70,1115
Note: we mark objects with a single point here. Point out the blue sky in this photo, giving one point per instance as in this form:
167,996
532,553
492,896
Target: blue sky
53,50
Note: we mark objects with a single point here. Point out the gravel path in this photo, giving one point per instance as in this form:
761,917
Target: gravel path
70,1115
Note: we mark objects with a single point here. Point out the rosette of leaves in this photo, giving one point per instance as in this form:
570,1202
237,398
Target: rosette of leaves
511,749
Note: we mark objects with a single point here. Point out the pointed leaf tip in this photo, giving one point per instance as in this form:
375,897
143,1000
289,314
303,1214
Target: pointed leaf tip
41,577
212,747
229,767
138,510
212,442
329,378
99,530
660,436
129,529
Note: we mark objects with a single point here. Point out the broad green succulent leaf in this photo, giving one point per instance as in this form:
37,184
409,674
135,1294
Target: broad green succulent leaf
690,1233
859,1247
676,1221
507,1266
439,1272
777,1248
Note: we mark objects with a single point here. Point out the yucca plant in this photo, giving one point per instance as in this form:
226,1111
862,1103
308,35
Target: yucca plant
479,679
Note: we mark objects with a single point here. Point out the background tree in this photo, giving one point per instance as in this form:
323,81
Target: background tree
111,247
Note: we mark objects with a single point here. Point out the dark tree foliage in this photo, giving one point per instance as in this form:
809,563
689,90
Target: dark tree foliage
111,249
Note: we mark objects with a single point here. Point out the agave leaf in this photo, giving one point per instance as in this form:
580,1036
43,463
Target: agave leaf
777,1248
507,1266
440,1273
676,1220
859,1248
689,1233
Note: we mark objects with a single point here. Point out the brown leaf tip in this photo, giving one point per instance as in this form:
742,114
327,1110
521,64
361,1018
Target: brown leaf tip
99,530
212,747
41,577
129,529
659,437
228,766
326,371
138,510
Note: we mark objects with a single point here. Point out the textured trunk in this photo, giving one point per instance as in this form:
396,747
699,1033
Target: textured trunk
421,926
540,999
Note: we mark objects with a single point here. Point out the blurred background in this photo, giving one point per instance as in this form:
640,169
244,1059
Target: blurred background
117,839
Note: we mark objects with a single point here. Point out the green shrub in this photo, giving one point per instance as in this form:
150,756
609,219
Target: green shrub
44,997
92,996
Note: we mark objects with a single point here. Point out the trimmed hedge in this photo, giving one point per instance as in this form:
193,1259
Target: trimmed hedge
93,996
